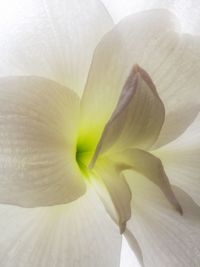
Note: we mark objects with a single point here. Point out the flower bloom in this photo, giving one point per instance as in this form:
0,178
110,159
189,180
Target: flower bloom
99,137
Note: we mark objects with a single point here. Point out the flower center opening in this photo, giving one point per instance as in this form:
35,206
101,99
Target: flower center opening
83,157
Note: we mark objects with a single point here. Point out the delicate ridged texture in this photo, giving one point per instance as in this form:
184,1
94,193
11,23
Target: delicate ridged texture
50,38
165,237
187,11
137,118
151,167
38,131
78,234
113,191
181,159
171,60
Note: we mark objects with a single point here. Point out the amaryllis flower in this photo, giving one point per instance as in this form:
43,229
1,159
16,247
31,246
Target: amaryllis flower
99,137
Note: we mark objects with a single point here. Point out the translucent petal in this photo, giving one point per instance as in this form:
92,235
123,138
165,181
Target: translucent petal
38,131
52,39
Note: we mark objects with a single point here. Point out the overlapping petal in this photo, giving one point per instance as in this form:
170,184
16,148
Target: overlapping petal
165,237
137,119
113,191
38,131
187,11
77,234
127,44
53,39
181,159
171,60
151,167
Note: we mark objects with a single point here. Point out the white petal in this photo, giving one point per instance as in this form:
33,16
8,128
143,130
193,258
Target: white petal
181,159
77,234
113,191
128,43
128,257
151,167
137,119
165,237
170,59
186,10
38,132
53,39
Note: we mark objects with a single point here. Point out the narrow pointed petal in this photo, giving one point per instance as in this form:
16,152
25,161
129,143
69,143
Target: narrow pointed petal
131,42
151,167
78,234
138,117
53,39
38,132
181,159
114,193
165,237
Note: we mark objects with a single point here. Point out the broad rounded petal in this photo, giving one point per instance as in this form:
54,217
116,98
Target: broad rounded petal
38,132
186,10
78,234
129,43
165,237
137,119
114,192
53,39
181,159
170,59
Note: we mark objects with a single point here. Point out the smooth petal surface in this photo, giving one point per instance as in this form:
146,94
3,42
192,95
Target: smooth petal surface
181,159
165,237
53,39
186,10
78,234
38,131
151,167
113,191
170,59
138,117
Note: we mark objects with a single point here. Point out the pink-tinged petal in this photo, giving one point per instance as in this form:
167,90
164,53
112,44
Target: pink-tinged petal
38,132
171,59
132,41
78,234
137,118
50,38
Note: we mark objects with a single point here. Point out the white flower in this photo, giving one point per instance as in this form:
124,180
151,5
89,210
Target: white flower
89,115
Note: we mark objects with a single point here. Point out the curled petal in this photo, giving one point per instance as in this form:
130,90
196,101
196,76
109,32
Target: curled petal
133,41
137,119
38,128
